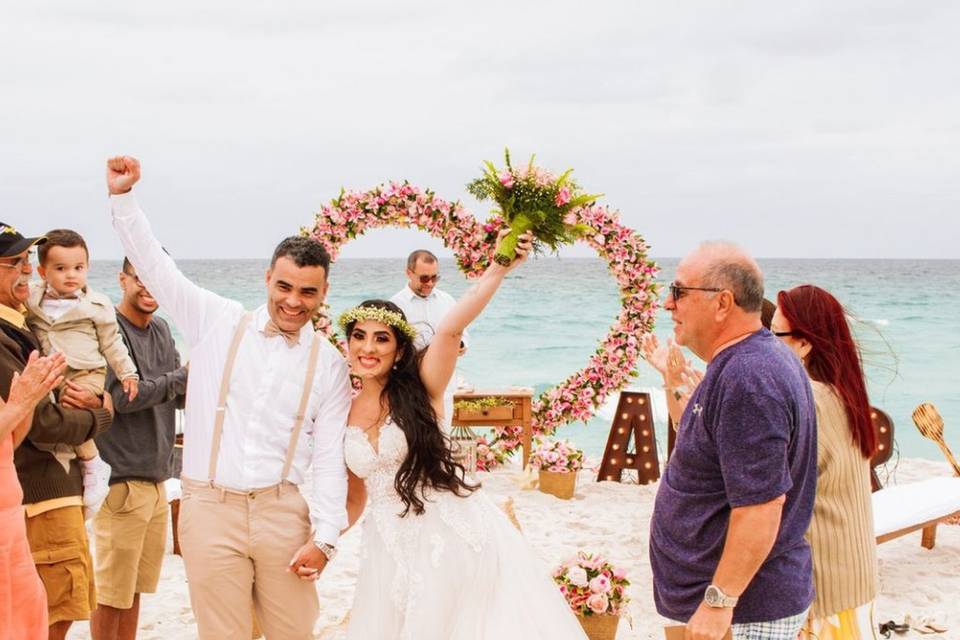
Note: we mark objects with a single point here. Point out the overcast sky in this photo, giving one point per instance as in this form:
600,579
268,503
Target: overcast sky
810,129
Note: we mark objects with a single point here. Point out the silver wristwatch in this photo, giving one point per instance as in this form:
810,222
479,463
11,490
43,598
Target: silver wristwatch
328,550
715,597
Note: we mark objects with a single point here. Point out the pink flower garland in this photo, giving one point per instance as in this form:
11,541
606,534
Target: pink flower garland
612,365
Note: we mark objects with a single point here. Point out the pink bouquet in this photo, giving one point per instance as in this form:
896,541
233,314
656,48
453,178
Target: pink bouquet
559,456
592,586
489,457
532,199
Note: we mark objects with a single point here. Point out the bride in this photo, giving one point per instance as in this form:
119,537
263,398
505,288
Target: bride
438,559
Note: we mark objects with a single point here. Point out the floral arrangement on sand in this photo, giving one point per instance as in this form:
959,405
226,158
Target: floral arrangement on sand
488,457
592,586
558,456
532,199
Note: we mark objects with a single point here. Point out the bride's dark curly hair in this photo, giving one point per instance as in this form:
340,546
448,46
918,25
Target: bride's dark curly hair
429,461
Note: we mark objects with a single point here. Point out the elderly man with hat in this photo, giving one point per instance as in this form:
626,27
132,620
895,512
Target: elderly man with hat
52,484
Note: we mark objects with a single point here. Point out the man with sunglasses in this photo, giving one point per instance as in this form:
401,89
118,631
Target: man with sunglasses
425,305
727,544
52,486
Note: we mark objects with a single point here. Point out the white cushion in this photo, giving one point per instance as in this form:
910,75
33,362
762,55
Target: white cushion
907,505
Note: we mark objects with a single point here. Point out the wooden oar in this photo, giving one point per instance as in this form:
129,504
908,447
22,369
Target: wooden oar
930,424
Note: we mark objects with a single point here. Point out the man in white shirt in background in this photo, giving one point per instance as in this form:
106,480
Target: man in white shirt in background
425,305
247,533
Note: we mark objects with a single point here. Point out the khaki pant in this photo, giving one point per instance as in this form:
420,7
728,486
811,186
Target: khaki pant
236,549
92,380
131,534
58,541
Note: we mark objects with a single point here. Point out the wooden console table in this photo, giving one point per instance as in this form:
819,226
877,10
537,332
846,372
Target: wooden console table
519,415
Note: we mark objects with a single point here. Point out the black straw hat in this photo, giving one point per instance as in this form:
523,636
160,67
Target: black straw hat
12,242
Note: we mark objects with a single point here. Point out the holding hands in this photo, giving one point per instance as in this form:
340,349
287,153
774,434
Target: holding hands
122,173
308,562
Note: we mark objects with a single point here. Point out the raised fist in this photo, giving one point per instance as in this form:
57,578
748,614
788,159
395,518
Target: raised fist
122,173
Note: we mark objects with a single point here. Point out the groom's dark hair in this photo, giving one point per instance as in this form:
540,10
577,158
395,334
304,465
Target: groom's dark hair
305,252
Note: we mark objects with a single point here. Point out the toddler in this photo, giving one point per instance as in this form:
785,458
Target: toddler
68,317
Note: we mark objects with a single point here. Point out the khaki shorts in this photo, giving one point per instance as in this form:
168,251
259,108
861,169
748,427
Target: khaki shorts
58,542
131,534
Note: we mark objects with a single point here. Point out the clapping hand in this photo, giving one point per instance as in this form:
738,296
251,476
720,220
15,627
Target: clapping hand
122,173
42,375
654,354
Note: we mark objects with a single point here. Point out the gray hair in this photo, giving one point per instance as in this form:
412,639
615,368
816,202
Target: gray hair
730,267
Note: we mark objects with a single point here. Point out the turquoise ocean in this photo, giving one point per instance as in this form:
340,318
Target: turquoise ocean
551,313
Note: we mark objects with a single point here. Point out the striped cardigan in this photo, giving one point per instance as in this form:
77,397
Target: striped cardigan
841,532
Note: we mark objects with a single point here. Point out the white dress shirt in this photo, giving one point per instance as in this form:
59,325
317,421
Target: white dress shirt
425,314
57,307
265,387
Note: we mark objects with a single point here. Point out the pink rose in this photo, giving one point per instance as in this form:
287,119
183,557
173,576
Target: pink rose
570,218
563,197
598,603
600,584
506,179
577,576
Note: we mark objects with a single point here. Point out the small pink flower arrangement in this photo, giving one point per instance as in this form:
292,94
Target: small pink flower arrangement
592,586
558,456
489,457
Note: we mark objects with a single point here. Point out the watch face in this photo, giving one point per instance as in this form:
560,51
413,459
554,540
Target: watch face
712,596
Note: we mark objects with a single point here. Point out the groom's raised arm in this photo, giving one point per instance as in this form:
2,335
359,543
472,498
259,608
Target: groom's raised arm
193,309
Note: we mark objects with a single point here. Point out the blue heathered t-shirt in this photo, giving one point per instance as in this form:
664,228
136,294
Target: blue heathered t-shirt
747,436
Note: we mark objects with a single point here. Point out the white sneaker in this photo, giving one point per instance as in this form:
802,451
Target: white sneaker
96,485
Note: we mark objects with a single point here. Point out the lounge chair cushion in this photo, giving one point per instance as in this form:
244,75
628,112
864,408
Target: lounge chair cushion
903,506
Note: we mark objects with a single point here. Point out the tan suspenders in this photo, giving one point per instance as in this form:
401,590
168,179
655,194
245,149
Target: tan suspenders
225,388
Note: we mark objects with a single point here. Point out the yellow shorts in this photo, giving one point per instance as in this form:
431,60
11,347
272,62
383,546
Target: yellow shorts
58,542
131,534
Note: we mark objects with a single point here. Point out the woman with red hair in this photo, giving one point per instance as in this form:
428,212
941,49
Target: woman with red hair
814,325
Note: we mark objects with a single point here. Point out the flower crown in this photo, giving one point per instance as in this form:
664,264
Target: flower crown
378,314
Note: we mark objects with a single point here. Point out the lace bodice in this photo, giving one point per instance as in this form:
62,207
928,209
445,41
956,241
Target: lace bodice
376,468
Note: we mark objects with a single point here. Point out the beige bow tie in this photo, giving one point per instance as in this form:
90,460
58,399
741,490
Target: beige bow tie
292,337
53,294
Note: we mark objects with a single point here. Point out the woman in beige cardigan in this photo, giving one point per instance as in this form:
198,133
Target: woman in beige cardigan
814,325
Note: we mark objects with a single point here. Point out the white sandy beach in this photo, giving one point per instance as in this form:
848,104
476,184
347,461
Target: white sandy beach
613,519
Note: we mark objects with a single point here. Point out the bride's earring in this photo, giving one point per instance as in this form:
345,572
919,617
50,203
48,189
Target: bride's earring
395,365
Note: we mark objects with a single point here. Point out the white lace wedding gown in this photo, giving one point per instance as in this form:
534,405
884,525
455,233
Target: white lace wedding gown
458,571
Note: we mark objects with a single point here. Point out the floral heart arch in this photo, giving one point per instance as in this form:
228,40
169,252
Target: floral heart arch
609,368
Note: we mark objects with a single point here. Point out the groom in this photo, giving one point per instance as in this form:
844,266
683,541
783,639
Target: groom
267,401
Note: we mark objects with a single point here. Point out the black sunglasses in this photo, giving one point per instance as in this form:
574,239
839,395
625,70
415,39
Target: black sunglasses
677,291
426,279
